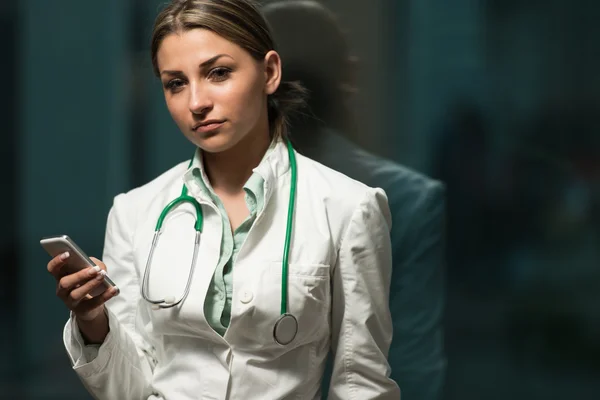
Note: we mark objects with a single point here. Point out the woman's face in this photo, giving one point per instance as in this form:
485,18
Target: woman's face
215,91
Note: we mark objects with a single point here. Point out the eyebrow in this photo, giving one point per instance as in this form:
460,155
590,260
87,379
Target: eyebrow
204,64
212,60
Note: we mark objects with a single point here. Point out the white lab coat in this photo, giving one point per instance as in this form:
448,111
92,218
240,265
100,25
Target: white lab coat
339,277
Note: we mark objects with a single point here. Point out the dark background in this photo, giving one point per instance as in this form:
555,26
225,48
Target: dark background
497,98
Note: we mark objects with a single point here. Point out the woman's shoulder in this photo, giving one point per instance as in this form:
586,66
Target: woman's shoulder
335,189
328,180
329,195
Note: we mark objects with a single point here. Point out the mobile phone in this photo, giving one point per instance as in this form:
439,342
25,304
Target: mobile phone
77,260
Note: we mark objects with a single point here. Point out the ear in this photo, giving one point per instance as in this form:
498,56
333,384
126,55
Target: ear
272,72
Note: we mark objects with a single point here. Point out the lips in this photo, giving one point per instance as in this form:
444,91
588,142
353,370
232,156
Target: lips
208,125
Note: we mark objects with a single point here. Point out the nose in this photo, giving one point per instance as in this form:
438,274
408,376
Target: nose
199,102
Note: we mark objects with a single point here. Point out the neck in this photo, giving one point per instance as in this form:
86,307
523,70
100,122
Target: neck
228,171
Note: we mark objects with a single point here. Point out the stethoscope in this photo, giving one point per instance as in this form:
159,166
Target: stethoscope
286,327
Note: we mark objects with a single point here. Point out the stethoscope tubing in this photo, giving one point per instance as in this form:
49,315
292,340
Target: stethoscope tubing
285,318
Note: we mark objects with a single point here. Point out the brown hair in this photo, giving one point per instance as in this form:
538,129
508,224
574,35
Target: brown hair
240,22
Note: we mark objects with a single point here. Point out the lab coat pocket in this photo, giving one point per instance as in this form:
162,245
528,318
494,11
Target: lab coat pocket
309,298
257,306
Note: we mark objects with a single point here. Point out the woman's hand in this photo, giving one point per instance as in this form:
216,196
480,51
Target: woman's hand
73,289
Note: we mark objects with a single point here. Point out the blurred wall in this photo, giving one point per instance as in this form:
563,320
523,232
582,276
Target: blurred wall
72,153
8,200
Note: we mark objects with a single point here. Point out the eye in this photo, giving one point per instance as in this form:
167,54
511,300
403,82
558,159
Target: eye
174,85
219,74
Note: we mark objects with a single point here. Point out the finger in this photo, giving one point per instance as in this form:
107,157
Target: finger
55,265
88,305
77,294
70,282
98,263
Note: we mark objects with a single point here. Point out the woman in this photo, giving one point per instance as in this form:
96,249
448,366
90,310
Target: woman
226,338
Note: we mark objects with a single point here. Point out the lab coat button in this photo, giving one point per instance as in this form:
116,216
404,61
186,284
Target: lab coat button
246,296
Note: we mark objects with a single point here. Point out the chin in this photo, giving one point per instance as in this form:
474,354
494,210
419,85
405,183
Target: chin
217,143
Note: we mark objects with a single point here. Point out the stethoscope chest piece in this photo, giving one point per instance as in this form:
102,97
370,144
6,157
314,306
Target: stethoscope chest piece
285,329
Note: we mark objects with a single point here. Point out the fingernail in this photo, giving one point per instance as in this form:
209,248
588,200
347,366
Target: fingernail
94,270
100,276
64,256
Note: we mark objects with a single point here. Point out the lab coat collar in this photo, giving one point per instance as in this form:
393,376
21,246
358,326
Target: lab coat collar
274,165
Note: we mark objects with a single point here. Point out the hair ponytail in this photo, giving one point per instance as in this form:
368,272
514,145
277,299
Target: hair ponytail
288,99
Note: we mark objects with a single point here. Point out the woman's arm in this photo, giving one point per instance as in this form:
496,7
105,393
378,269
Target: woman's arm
361,321
121,367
